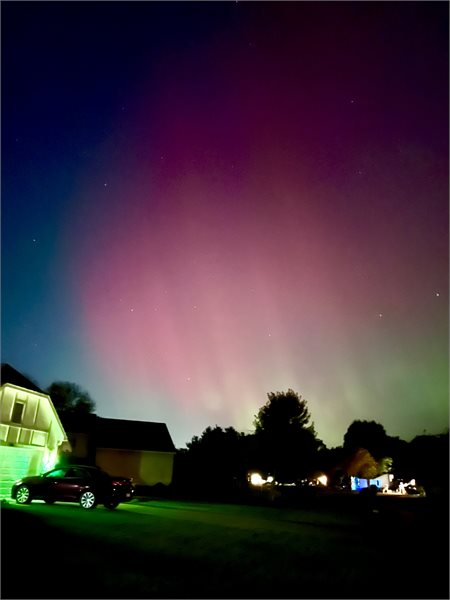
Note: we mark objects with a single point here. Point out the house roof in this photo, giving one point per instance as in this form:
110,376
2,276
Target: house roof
132,435
78,422
10,375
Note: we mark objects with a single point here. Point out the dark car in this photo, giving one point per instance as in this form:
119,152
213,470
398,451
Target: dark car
415,490
87,485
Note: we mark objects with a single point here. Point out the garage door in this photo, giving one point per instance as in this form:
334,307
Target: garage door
17,462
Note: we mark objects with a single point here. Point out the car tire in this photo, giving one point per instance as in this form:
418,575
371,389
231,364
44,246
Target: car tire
23,495
88,500
111,505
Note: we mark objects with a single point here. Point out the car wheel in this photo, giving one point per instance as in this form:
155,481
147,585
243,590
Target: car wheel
111,505
88,500
23,495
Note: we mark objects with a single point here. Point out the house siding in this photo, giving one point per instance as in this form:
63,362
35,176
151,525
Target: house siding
17,461
144,466
39,426
29,444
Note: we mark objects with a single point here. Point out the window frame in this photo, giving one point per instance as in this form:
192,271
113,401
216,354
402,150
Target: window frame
14,418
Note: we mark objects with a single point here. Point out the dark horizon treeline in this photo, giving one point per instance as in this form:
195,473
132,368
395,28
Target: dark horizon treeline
284,444
218,462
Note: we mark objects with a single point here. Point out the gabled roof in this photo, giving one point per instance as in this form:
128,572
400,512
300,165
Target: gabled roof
15,379
133,435
11,375
121,433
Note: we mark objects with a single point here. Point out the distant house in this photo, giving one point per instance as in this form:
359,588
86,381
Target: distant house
31,433
381,482
139,449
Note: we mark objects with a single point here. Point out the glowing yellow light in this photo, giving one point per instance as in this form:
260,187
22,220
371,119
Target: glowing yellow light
322,479
256,479
270,479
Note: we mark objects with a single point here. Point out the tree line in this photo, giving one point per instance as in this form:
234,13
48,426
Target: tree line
284,444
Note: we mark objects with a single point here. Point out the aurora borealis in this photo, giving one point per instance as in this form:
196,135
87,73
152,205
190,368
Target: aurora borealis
206,202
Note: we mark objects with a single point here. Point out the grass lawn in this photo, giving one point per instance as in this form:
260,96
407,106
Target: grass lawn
167,549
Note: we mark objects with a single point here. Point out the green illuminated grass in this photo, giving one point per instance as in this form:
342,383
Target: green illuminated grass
171,549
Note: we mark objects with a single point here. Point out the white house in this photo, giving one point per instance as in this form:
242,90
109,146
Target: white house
31,433
381,482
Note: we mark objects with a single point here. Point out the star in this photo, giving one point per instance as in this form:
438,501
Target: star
380,315
105,184
131,309
437,294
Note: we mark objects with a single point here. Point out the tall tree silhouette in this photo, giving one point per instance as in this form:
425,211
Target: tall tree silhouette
287,441
367,434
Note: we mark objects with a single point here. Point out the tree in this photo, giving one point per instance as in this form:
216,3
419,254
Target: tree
385,465
214,463
428,461
281,411
367,434
362,464
287,442
70,399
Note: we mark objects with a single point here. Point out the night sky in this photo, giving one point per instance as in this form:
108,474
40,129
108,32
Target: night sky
204,202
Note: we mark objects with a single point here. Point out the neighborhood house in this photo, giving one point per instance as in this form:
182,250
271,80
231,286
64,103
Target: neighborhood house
33,438
31,433
139,449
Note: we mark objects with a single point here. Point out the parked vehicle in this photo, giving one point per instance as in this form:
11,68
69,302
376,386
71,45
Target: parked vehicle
89,486
415,490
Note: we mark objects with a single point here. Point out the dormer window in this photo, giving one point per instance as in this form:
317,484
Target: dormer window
17,412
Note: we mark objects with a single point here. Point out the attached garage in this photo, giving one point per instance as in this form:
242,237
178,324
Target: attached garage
31,433
16,462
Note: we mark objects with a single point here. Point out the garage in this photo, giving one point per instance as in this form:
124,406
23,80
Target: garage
31,433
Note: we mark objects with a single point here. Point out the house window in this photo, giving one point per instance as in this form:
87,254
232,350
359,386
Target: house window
17,412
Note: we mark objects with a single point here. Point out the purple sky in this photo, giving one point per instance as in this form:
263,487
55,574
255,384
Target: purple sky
207,202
